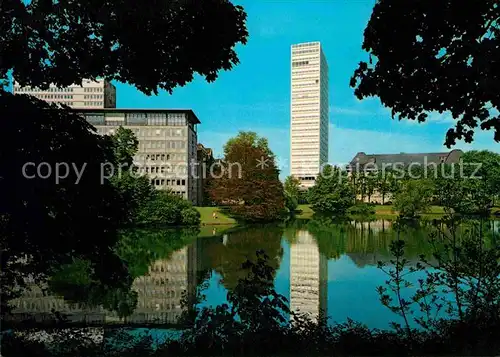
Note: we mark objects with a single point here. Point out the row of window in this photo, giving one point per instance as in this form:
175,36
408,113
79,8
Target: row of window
162,144
93,96
162,157
162,183
158,132
53,96
93,104
300,63
297,52
50,89
99,119
93,89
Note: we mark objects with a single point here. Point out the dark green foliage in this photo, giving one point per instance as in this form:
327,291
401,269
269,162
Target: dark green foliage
291,202
190,217
435,56
138,249
125,145
241,244
136,191
166,208
152,47
361,209
47,221
414,198
332,193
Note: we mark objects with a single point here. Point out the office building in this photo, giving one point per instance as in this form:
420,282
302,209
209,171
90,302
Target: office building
167,151
90,94
308,277
309,112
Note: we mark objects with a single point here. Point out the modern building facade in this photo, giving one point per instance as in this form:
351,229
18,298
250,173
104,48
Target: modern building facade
167,151
309,112
308,277
90,94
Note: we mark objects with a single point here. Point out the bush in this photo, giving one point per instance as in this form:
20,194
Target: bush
168,209
190,217
362,209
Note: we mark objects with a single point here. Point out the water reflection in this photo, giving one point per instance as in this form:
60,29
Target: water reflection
308,276
323,266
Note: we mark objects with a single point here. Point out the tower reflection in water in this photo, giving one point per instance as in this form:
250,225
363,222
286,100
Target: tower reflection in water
308,277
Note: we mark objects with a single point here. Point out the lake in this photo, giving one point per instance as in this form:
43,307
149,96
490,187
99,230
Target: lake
318,265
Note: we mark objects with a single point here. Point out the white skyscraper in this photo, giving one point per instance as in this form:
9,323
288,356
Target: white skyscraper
309,112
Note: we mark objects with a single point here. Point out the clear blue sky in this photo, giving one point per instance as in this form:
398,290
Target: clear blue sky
255,95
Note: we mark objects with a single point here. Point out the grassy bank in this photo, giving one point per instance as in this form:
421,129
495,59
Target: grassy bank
221,218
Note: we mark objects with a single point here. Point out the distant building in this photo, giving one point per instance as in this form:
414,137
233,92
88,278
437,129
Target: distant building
309,112
90,94
370,163
205,159
167,151
373,162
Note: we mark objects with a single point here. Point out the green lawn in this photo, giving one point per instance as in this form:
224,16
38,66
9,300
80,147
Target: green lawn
304,211
207,216
382,211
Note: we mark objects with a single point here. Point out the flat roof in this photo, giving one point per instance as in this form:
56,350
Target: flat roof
192,115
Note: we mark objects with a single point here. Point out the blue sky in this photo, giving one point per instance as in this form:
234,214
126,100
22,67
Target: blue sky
255,95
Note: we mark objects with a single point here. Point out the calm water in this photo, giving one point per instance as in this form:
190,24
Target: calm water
318,265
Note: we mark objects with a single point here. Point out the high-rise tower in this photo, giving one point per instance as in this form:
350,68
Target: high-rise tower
309,112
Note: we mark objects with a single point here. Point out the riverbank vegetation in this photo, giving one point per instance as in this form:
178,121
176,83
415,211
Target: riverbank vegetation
452,309
73,211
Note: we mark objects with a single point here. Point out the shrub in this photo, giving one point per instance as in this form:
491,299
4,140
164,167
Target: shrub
362,209
165,208
190,217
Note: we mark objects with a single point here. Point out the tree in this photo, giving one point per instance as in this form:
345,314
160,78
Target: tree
371,185
385,181
44,42
62,42
332,193
292,193
487,176
434,57
292,186
414,198
125,146
49,220
248,180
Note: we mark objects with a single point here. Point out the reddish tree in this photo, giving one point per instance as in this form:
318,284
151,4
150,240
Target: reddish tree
247,179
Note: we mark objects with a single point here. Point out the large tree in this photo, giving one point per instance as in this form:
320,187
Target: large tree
333,193
54,206
150,44
249,181
435,56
